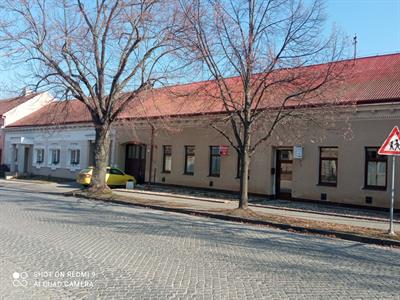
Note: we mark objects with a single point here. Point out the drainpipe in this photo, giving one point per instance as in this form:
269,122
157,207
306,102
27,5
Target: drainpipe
3,138
151,152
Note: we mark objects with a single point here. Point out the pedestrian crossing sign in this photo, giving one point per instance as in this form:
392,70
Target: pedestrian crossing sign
391,146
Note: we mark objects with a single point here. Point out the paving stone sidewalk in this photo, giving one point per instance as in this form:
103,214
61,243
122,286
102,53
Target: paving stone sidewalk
271,203
199,200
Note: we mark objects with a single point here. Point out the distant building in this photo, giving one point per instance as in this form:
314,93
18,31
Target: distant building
313,164
14,109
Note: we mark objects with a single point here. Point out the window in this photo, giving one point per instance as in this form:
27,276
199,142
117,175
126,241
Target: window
55,156
328,166
114,171
16,154
39,156
375,169
215,161
189,160
167,159
75,157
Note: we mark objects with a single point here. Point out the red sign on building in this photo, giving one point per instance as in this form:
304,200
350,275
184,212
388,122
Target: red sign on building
223,150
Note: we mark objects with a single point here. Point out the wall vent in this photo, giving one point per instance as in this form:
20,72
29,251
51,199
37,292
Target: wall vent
163,179
368,199
324,196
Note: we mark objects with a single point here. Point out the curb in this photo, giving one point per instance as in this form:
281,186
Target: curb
286,227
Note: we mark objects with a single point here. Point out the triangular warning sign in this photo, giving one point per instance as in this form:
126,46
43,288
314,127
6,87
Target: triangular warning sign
391,146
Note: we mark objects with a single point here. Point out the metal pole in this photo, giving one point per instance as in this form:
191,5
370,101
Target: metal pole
391,228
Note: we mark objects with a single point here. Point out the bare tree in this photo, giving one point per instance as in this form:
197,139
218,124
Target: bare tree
93,51
258,54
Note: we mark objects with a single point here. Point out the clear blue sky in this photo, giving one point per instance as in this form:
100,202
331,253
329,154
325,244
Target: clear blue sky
376,23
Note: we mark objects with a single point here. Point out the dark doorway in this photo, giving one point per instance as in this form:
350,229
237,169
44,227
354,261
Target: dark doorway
284,172
135,161
26,160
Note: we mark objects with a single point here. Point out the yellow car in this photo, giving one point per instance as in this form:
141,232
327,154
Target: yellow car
114,177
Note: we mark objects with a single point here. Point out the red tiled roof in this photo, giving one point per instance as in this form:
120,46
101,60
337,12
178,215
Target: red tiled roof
366,80
8,104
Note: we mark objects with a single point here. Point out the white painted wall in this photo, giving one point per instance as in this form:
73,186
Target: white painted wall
26,108
65,139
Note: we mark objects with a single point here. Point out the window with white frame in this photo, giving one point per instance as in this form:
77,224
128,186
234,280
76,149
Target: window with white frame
55,156
75,157
39,155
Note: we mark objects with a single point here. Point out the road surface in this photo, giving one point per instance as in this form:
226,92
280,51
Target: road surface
56,247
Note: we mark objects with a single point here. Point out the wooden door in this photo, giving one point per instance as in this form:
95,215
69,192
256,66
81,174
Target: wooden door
284,173
135,161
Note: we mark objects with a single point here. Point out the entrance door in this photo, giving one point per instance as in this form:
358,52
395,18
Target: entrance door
284,164
135,161
26,160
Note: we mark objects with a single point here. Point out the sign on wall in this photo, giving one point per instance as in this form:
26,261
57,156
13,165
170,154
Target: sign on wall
298,152
223,150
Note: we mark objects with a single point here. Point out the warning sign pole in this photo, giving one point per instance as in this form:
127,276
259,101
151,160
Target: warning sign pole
391,146
391,227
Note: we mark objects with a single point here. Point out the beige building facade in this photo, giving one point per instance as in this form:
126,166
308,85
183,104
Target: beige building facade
327,164
165,139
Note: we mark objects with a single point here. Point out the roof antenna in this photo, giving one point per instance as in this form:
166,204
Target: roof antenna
355,46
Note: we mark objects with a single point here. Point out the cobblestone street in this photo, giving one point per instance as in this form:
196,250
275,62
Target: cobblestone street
54,247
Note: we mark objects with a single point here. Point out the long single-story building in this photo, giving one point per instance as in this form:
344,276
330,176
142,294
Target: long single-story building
167,139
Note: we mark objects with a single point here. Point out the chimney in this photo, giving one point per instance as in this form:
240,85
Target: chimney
26,91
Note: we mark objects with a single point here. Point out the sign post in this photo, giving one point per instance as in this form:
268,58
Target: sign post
391,146
391,227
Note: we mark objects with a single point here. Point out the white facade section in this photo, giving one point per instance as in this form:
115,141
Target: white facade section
57,152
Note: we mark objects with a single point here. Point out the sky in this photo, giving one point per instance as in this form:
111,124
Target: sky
375,22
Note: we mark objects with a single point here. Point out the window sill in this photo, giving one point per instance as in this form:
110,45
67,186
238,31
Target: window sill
375,188
166,172
327,184
189,174
215,176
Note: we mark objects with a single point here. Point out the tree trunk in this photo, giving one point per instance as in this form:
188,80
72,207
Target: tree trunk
101,154
244,179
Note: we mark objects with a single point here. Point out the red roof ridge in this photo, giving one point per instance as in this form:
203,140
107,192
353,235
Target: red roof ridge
305,66
375,79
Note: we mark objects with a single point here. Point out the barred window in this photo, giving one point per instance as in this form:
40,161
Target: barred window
328,166
167,158
215,161
375,169
55,156
75,157
39,156
189,160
